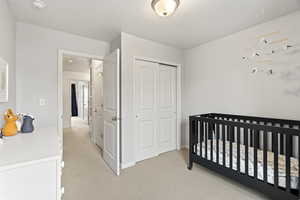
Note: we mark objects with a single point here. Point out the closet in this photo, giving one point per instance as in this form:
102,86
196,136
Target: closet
155,108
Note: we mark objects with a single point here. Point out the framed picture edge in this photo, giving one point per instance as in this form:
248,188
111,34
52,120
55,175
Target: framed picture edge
4,62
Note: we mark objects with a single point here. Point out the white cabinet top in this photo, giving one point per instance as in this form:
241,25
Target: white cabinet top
24,149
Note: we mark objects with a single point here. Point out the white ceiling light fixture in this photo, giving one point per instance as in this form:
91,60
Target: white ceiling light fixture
40,4
165,8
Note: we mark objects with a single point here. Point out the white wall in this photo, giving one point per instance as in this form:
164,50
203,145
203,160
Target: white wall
37,53
68,79
133,46
8,52
217,80
116,44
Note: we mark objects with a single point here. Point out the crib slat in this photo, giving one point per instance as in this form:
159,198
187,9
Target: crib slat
206,131
201,137
218,137
224,143
291,144
275,150
232,134
209,130
238,148
197,135
288,162
256,135
281,144
251,138
265,155
230,130
191,144
281,141
259,134
298,165
246,131
211,142
273,140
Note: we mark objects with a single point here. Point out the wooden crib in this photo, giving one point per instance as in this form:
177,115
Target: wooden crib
261,153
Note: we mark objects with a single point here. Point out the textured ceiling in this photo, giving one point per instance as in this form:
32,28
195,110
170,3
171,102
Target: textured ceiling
194,23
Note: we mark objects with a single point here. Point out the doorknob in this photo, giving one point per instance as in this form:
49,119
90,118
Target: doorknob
114,119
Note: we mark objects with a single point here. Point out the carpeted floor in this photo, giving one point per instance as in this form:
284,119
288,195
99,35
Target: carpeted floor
86,176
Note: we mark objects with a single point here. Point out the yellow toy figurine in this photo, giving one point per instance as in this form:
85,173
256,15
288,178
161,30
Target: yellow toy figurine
10,126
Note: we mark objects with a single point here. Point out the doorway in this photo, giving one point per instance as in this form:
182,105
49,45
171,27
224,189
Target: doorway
79,101
157,96
76,83
96,98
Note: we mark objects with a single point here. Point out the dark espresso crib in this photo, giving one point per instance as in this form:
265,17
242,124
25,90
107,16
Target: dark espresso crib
261,153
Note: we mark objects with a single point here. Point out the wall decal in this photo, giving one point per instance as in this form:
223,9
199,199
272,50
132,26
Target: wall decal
266,50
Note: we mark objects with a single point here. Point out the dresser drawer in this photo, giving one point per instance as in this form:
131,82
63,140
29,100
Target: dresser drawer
33,182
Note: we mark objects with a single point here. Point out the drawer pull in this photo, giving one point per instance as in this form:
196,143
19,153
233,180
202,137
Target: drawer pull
62,164
62,191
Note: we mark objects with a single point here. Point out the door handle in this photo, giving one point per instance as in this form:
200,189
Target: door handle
115,119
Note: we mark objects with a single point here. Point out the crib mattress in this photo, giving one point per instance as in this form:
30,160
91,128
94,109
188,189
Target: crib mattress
260,173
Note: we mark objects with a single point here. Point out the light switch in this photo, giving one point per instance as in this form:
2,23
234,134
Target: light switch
42,102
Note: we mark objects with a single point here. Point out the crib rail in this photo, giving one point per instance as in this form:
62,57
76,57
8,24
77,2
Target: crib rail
225,136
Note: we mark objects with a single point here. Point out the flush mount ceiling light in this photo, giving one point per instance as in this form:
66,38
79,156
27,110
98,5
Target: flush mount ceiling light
40,4
165,8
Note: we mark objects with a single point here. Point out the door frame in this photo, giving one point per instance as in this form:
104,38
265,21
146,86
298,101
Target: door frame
61,53
87,84
178,98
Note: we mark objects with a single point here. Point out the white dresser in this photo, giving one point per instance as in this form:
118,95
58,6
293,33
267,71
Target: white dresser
31,166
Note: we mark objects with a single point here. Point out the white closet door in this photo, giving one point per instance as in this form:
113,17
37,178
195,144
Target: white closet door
146,109
166,137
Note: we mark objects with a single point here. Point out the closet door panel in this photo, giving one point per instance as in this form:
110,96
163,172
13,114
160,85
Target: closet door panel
146,109
166,108
155,97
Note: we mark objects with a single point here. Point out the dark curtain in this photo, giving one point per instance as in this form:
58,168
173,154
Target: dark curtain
74,101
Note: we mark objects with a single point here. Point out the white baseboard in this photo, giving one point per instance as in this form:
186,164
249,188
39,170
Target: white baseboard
127,165
185,147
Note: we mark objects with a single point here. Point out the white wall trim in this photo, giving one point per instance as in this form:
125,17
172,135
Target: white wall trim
178,97
127,165
61,53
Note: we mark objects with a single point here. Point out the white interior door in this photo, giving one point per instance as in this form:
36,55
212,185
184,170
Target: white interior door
97,102
85,89
111,110
146,109
166,137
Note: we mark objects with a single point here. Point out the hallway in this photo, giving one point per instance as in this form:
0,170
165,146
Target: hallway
84,171
86,176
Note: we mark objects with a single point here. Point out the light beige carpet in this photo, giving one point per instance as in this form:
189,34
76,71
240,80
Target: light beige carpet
86,176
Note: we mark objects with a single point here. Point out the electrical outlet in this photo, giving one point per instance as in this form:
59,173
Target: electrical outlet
42,102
